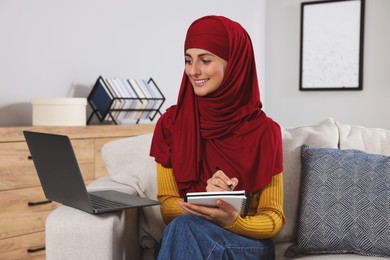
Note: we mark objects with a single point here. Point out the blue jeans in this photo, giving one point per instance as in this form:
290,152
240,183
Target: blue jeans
192,237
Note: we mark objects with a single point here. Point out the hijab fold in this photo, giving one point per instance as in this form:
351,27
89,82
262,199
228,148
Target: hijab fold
225,129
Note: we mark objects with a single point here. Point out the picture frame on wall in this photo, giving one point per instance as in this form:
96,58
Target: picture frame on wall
332,35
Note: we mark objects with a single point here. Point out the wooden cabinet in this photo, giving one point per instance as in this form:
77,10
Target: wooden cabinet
23,206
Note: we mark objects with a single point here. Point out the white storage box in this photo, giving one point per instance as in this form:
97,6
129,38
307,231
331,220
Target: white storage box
59,111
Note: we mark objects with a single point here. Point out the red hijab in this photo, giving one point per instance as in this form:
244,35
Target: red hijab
225,129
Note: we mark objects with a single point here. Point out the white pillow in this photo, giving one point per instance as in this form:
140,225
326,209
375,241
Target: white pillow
127,161
323,134
370,140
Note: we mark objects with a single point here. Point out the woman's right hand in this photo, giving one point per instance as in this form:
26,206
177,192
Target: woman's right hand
220,182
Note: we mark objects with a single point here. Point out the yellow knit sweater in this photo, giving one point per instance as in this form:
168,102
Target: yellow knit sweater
265,218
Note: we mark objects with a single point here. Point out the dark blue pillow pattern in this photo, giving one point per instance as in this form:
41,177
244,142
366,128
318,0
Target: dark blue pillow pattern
345,203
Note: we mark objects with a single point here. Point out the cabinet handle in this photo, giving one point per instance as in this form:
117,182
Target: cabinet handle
34,250
29,157
32,204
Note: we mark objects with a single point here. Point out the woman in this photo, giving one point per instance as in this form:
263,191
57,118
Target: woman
217,138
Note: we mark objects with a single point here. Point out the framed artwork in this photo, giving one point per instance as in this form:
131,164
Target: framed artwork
332,34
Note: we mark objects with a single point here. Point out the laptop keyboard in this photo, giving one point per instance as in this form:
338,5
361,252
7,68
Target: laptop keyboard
102,203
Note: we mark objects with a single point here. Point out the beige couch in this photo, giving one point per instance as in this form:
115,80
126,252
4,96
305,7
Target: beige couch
132,234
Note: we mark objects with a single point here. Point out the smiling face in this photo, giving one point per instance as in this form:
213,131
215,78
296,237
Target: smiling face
205,70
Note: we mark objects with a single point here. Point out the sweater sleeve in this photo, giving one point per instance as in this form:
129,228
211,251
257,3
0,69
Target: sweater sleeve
269,218
168,194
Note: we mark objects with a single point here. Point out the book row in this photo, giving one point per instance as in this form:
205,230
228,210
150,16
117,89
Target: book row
117,99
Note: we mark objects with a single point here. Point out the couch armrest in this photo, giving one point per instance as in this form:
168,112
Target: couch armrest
74,234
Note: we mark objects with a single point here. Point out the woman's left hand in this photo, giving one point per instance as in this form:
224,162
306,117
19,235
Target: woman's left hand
224,214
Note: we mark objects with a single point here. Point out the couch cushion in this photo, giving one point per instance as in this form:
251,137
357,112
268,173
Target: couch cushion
344,204
74,234
127,161
323,134
371,140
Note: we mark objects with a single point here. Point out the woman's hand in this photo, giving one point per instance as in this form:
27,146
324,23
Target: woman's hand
224,214
220,182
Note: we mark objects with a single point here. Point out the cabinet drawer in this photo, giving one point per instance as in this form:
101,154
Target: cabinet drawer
17,217
18,171
23,247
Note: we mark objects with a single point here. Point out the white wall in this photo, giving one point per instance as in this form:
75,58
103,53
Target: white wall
290,107
59,48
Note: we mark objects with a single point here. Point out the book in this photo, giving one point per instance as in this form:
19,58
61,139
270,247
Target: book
237,199
145,88
131,97
122,95
100,98
118,102
142,95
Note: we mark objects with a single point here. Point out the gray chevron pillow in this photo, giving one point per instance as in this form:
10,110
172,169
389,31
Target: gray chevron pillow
345,203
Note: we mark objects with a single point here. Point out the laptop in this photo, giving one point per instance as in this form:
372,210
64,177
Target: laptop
61,178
